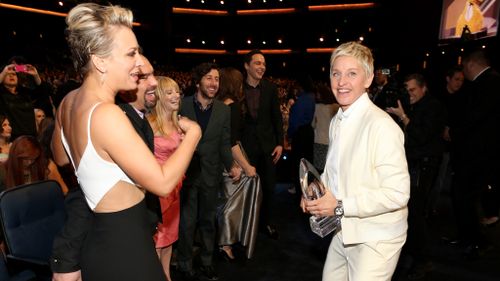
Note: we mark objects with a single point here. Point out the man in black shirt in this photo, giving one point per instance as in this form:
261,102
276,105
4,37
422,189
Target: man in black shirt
423,126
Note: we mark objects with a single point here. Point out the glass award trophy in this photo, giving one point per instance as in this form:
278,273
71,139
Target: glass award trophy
313,188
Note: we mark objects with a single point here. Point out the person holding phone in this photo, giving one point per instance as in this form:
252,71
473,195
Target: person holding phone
15,100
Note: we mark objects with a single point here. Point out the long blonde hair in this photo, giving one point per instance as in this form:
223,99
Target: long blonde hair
158,112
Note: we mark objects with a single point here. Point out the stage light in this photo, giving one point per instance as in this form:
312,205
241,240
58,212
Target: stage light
280,41
249,41
188,40
321,39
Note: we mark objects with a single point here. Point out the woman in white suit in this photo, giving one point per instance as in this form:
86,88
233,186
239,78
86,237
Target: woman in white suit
366,175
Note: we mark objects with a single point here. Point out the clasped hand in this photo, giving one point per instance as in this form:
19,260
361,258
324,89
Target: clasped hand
321,207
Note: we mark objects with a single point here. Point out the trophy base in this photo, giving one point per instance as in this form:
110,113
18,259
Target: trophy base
324,225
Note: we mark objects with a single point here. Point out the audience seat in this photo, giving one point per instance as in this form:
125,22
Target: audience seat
31,215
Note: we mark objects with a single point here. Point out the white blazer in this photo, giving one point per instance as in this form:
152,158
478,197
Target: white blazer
373,181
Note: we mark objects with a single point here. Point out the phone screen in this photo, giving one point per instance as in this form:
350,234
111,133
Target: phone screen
21,68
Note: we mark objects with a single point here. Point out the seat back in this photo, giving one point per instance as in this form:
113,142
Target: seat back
25,275
31,215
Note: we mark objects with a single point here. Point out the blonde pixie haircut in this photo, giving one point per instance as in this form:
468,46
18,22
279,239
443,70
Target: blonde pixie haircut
90,30
353,49
164,84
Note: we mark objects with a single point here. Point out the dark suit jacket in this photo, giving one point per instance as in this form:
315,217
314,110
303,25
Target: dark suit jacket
477,137
214,148
266,131
146,133
67,245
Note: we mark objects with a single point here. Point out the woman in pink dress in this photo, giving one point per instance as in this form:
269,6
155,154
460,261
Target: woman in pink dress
163,120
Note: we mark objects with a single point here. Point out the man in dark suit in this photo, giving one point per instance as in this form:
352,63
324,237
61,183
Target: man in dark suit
476,141
262,136
204,176
65,260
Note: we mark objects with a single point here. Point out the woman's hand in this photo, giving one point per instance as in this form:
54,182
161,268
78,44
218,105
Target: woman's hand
323,206
250,171
186,125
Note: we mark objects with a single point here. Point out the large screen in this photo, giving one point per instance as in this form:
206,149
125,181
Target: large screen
472,18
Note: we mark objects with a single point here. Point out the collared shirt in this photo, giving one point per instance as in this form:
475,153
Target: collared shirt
252,96
202,114
140,113
333,155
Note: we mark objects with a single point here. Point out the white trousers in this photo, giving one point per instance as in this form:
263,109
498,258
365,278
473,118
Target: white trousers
370,261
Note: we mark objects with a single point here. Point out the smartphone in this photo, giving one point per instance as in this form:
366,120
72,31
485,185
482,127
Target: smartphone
21,68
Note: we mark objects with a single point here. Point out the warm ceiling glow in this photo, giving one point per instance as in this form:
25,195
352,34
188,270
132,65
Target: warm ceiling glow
266,11
199,11
40,11
32,10
268,51
320,50
200,51
341,7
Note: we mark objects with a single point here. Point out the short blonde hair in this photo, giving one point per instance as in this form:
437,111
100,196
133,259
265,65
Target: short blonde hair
90,31
353,49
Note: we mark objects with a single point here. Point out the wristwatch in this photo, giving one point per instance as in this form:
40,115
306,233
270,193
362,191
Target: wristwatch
339,210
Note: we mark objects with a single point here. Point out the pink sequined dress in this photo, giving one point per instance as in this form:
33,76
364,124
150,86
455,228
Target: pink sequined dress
168,231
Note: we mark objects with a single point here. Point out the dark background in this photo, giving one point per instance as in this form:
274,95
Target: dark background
402,34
